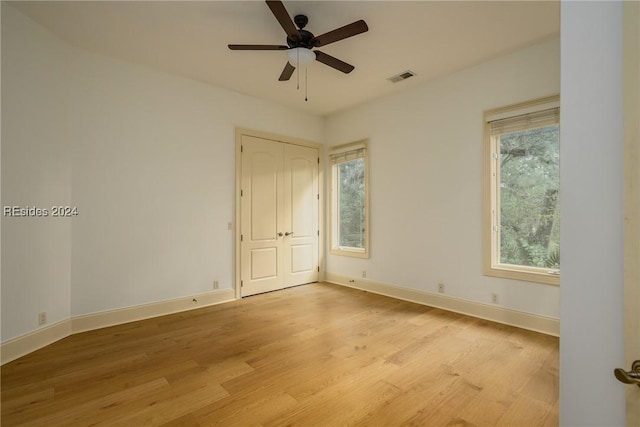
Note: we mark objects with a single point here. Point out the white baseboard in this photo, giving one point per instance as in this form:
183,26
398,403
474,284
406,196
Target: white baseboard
520,319
31,341
103,319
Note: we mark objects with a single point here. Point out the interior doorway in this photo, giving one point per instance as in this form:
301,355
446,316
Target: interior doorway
278,213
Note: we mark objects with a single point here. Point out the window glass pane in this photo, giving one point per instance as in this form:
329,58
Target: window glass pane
351,204
529,204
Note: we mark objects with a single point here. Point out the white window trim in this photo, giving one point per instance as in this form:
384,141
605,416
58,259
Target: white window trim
334,247
490,235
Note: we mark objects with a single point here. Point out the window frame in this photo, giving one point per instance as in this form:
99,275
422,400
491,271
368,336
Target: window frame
334,244
491,235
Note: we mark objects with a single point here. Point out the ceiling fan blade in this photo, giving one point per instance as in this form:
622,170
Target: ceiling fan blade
334,62
340,33
257,47
281,14
287,72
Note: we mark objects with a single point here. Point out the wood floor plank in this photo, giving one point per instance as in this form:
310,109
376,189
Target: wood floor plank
348,402
444,408
400,409
76,414
543,384
488,406
253,410
525,411
180,402
317,354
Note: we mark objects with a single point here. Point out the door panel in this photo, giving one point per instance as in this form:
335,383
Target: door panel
263,263
301,214
301,258
279,215
303,195
261,217
263,191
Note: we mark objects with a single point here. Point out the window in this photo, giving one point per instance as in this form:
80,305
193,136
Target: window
349,200
522,183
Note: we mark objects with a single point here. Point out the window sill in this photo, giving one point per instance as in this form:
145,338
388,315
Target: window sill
533,275
352,252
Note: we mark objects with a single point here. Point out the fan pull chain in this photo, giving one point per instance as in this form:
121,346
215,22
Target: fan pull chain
306,83
298,68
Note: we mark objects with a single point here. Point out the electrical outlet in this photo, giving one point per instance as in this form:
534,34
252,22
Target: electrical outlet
494,298
216,285
441,288
364,273
42,318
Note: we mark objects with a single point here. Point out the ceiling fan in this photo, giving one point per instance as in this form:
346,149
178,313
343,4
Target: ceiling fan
300,42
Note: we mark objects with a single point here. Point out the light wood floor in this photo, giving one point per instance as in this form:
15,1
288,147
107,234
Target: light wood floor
317,354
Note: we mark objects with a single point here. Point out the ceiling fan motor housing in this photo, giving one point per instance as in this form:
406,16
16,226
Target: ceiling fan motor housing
305,36
301,21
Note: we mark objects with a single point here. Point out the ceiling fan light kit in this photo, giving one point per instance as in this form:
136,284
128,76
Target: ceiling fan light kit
301,56
300,42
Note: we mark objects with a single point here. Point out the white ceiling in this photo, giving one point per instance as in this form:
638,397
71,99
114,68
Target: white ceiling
189,38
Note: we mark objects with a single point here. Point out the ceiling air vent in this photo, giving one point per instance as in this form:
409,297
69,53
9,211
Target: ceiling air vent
402,76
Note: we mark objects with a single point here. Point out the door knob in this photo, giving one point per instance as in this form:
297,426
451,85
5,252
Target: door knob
288,233
629,377
280,234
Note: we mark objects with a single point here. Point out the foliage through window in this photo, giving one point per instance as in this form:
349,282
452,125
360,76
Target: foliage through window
349,223
523,147
351,203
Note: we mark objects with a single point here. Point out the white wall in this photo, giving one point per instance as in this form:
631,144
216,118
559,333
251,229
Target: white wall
147,158
154,176
426,179
592,327
36,171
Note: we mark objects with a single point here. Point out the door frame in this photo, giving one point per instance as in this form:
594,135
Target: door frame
631,70
321,204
